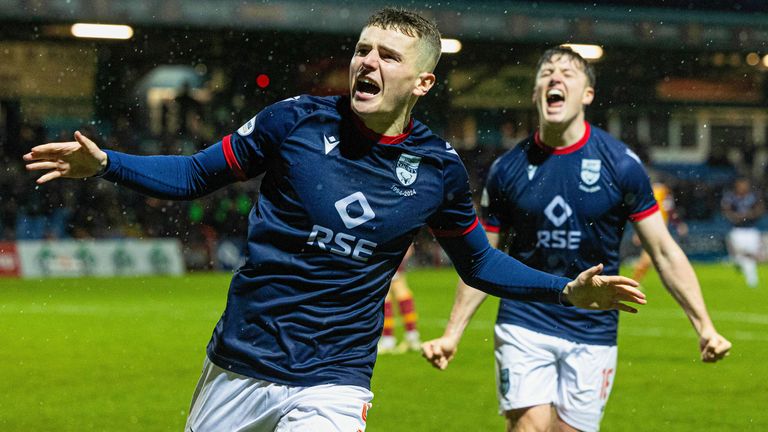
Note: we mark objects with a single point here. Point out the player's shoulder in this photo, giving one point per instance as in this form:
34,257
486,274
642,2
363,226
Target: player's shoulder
287,113
306,104
284,115
606,141
518,155
425,140
617,150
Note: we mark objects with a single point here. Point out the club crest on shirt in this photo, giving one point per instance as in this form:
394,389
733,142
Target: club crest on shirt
590,174
407,169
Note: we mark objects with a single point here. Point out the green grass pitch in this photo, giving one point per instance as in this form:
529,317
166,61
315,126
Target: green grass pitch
125,354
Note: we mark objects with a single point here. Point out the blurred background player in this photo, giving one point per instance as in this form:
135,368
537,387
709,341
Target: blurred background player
743,206
564,196
400,291
666,201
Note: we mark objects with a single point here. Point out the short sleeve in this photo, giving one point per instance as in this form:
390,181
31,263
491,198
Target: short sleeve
456,216
248,149
638,199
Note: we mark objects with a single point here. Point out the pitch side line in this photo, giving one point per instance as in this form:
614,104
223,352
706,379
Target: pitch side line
435,323
80,309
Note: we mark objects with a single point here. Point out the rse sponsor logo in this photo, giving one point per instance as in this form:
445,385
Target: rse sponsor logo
342,206
342,243
558,211
558,239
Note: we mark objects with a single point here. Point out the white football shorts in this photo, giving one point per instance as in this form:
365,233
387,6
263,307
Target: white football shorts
227,401
537,369
745,241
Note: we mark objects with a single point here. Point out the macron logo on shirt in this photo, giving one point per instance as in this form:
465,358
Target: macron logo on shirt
531,171
330,143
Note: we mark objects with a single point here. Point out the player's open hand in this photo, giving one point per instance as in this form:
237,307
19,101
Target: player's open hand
75,159
713,346
439,352
590,290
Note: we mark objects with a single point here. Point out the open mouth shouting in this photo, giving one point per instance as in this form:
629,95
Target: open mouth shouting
366,88
555,98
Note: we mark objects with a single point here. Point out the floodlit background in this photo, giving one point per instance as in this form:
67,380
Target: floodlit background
107,298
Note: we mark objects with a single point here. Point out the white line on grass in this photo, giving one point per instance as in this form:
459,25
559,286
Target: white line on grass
730,316
98,310
477,324
653,332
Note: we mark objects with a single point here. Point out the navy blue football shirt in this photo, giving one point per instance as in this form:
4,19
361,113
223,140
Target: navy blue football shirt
338,207
741,205
566,210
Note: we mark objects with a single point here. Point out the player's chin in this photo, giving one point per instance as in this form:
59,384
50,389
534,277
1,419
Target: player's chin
364,106
556,118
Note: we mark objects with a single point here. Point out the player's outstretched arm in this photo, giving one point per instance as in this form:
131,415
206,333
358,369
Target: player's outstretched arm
160,176
74,159
498,274
590,290
680,280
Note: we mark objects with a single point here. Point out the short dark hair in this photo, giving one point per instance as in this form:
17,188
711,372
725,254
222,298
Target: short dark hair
560,51
412,24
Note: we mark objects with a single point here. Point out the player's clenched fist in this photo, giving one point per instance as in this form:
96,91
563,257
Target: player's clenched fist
74,159
713,346
592,291
439,352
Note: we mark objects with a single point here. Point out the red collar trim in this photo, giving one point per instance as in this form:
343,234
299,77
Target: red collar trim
380,138
567,149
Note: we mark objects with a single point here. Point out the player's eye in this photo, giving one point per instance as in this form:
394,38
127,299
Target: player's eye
389,56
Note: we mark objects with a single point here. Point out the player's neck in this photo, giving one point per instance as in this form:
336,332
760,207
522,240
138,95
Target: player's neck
387,125
562,135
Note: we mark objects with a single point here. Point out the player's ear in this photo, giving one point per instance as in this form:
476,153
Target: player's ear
424,83
588,96
535,94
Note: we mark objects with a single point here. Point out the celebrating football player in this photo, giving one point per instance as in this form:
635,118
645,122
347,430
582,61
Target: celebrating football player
564,196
